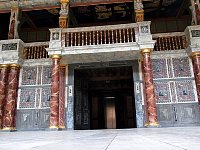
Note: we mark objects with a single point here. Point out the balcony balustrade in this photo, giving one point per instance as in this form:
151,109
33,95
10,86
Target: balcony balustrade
103,36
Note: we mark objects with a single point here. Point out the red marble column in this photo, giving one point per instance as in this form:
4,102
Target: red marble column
54,102
151,117
196,66
3,82
11,98
62,98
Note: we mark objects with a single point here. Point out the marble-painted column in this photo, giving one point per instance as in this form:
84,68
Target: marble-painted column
11,98
149,89
62,98
54,102
3,83
196,66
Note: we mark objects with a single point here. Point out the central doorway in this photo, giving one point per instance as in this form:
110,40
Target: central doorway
104,98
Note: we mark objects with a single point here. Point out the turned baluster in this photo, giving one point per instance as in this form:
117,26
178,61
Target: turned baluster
112,35
82,38
26,50
127,31
173,42
90,40
108,36
184,42
166,47
79,38
67,39
105,37
86,39
179,42
41,51
94,39
159,43
156,45
120,35
124,36
97,37
132,38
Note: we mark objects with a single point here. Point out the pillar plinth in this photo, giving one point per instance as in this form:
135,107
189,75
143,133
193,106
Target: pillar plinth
151,118
9,122
3,83
196,66
54,102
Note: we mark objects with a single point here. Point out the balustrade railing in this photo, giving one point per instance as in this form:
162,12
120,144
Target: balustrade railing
170,41
99,35
36,50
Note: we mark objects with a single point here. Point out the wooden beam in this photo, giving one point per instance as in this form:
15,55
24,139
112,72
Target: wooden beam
29,21
181,9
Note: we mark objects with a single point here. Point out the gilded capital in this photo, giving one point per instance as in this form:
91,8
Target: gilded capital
64,1
56,56
146,50
195,54
15,66
4,66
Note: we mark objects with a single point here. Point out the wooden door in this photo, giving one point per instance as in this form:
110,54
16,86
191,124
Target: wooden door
110,115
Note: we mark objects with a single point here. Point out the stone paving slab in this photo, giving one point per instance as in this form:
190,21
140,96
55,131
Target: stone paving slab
183,138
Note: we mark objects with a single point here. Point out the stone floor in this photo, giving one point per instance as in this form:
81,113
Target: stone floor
183,138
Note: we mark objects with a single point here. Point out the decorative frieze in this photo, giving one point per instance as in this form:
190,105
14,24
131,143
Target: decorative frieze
9,47
46,97
181,67
46,74
27,98
185,91
162,92
29,75
159,68
195,33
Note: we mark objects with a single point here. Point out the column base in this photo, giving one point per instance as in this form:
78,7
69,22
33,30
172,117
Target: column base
152,125
53,128
62,128
8,129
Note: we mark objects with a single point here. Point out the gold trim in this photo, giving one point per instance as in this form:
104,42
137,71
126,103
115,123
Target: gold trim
195,53
53,127
152,124
64,1
146,50
9,129
4,66
56,56
62,127
15,65
139,11
63,66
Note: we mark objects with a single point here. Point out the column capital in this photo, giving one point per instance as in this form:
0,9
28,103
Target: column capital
56,56
195,54
64,1
63,66
15,66
146,50
4,66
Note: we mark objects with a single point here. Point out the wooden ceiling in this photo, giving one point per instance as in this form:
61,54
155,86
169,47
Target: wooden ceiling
103,14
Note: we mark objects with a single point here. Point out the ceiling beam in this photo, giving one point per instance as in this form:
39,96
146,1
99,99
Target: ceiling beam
181,9
30,21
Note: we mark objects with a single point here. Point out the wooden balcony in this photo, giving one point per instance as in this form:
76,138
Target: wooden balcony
99,35
110,39
36,50
170,41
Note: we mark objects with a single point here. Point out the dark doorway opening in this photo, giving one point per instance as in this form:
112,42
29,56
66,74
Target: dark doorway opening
104,98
